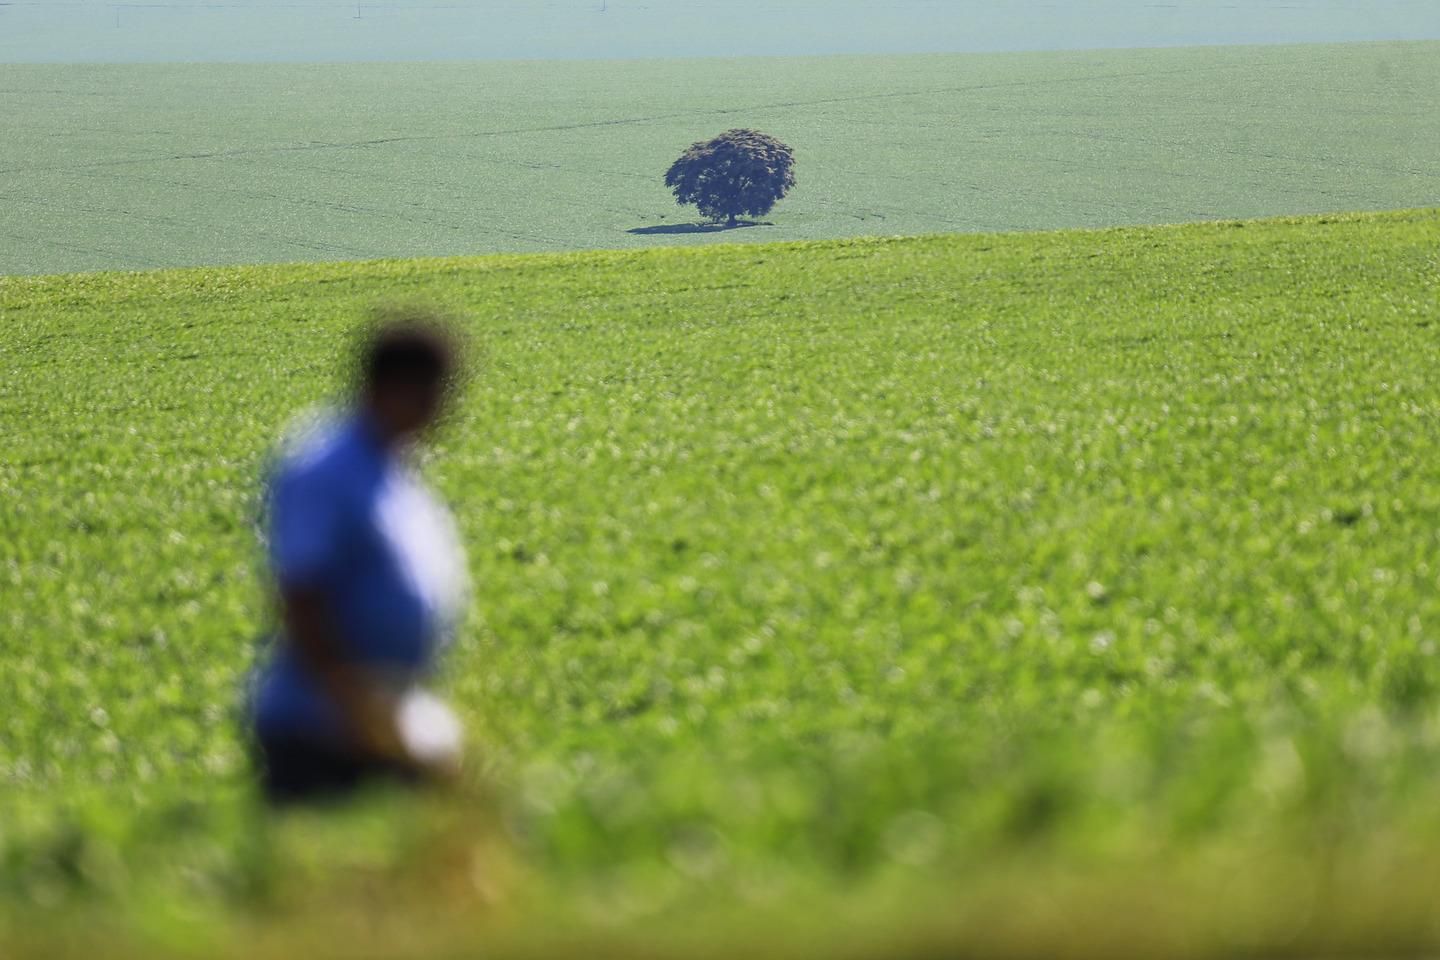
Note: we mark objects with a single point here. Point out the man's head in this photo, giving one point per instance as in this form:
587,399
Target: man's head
408,365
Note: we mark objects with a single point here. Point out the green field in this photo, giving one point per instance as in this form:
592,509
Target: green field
983,591
128,167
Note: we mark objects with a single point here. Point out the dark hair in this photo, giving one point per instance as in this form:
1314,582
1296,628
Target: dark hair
413,349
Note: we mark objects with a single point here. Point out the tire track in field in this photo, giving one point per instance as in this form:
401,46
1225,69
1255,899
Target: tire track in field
464,190
1032,195
467,190
629,121
928,215
467,187
1009,191
1269,188
1186,151
1191,147
377,215
373,213
102,252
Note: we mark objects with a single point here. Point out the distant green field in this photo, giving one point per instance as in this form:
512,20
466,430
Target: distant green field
152,166
828,590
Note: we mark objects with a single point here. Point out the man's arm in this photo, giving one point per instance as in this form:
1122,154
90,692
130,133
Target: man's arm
366,712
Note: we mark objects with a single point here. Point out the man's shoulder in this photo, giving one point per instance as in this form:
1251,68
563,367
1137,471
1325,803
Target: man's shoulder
326,447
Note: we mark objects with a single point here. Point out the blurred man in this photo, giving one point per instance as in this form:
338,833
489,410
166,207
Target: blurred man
370,580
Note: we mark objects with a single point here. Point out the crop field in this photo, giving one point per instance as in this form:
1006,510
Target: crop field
1070,592
130,167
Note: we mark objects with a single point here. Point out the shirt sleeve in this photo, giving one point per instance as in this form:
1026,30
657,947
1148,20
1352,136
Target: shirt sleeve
307,528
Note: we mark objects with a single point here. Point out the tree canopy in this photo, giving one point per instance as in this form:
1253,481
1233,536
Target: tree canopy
739,173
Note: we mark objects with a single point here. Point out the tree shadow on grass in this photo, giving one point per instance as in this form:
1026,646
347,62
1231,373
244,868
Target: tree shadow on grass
671,228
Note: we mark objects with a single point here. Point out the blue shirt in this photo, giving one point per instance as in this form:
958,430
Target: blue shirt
349,518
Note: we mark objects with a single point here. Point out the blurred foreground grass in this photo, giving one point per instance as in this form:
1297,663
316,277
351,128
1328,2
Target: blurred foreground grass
1061,593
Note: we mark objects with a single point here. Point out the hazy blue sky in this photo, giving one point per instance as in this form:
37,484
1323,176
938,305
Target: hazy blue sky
329,30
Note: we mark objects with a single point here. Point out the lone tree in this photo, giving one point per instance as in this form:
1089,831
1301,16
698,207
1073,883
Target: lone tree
740,172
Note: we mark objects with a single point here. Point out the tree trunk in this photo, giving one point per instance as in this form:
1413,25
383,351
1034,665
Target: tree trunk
732,221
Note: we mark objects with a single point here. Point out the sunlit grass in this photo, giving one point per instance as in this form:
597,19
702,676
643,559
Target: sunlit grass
931,585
